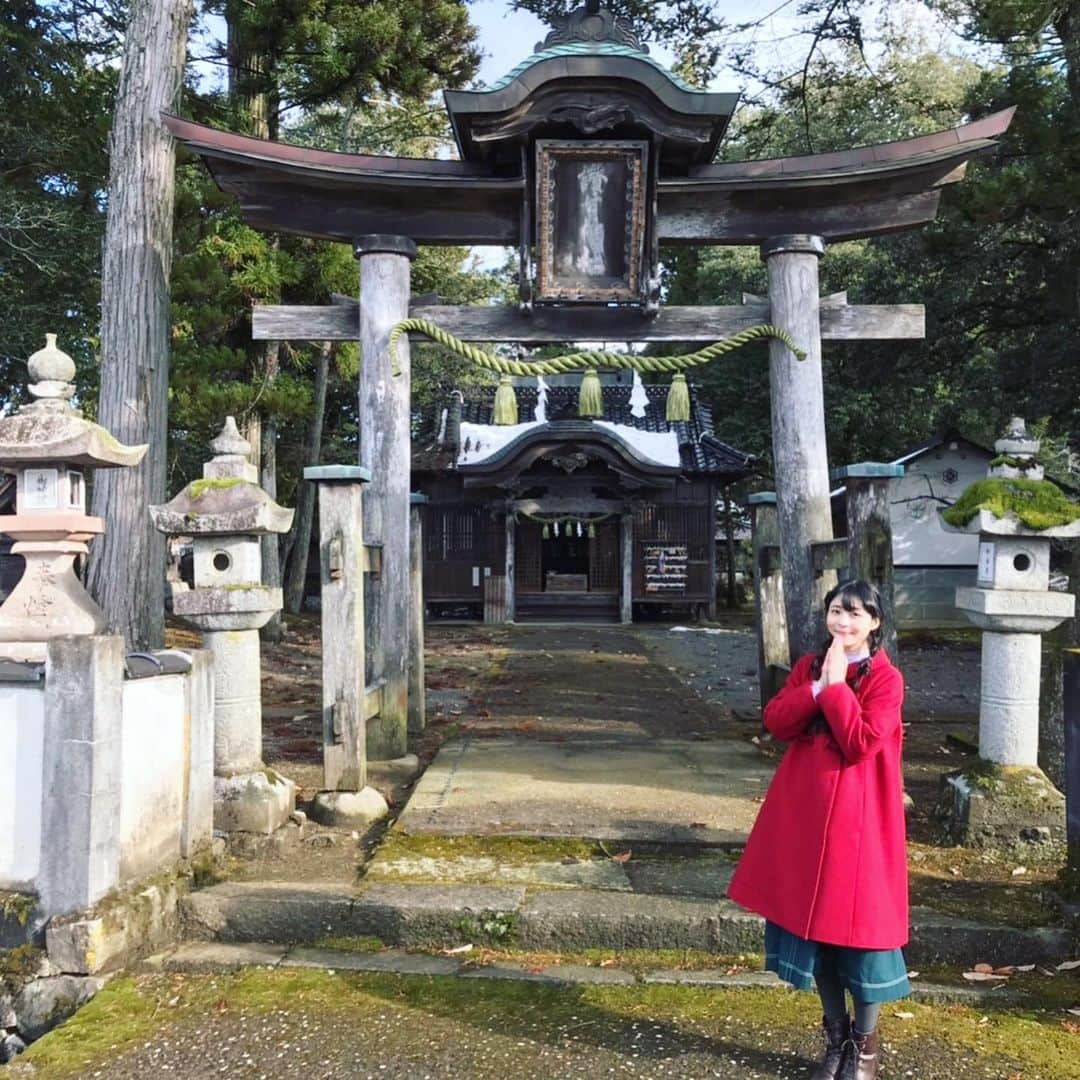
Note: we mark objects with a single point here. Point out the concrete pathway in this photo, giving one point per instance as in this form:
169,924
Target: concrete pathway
580,734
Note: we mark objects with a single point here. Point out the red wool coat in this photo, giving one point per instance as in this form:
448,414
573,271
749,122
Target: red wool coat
827,857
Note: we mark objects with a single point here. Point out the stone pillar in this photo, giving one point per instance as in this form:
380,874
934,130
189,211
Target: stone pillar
1071,708
800,456
1009,698
198,827
509,585
626,595
80,832
346,800
774,656
869,535
237,700
417,703
384,414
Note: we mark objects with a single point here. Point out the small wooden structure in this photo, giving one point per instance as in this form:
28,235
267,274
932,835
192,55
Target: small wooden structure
587,158
566,518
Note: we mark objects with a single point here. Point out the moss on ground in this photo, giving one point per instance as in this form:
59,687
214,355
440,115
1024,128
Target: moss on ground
1038,504
132,1011
506,849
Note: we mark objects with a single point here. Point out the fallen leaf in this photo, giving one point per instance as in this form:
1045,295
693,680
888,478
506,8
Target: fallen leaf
622,857
982,976
609,962
1068,965
1007,970
698,825
1025,967
458,950
954,870
904,1015
986,968
1073,1012
984,1019
1071,1027
912,974
1017,871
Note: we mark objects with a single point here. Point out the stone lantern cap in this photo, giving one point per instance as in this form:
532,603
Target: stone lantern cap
226,501
49,430
1015,500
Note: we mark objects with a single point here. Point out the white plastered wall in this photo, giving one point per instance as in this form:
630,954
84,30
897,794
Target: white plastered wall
22,724
154,766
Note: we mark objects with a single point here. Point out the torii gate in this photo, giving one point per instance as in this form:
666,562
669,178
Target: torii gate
588,135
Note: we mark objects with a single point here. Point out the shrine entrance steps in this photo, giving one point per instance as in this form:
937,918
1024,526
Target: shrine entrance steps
565,607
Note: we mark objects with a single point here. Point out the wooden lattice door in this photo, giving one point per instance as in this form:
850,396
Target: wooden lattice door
604,569
527,557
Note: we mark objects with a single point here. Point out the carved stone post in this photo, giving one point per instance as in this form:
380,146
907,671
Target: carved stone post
774,657
346,800
869,535
800,457
385,451
417,705
626,594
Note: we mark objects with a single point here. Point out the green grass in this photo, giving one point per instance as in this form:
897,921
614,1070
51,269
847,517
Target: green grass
131,1011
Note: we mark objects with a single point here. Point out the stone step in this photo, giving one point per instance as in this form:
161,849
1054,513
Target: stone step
439,916
203,957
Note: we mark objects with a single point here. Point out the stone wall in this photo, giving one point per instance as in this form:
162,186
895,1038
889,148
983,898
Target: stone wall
925,596
104,780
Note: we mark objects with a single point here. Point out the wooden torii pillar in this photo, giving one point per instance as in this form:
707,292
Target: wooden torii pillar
385,450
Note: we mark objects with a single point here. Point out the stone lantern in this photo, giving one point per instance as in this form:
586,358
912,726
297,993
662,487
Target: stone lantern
225,513
49,446
1007,798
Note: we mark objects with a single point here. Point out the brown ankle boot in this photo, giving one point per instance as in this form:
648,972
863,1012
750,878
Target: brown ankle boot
836,1033
863,1056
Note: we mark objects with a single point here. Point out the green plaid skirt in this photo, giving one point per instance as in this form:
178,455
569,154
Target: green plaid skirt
868,974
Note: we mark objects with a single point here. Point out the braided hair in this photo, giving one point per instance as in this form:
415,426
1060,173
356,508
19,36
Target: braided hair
869,597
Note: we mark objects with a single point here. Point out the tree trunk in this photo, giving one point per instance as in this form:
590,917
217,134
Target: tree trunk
127,567
305,513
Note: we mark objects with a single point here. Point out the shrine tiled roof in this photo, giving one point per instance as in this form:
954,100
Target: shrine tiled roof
699,448
590,48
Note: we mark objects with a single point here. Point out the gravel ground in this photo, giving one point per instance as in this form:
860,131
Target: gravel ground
370,1031
720,663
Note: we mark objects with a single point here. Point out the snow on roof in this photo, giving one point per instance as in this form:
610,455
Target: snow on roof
481,441
659,446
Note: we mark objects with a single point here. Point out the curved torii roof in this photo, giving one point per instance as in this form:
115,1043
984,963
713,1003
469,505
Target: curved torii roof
839,196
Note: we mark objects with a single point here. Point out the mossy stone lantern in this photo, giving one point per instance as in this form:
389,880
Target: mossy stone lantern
225,513
1017,513
48,445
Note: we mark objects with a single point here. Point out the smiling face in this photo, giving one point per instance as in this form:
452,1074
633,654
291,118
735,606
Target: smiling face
852,627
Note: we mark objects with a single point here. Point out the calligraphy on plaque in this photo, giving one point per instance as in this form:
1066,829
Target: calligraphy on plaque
665,568
41,489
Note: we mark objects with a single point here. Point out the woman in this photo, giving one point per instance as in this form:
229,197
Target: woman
826,862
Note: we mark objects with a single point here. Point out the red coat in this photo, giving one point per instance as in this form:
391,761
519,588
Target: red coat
827,857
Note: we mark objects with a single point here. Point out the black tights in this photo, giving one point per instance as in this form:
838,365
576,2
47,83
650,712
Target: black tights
833,1003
